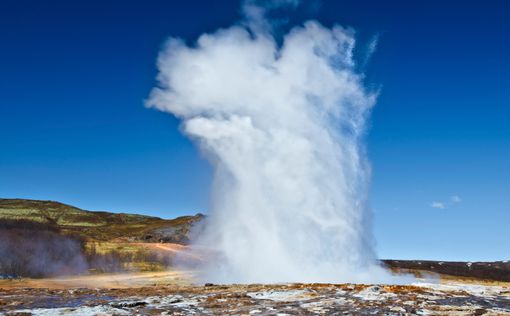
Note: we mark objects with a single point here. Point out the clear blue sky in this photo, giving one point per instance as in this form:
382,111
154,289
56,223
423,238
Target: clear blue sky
73,128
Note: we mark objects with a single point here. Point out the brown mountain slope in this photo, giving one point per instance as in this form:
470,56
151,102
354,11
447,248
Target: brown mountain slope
496,270
101,226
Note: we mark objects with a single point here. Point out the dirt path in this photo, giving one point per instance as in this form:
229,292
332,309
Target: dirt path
175,249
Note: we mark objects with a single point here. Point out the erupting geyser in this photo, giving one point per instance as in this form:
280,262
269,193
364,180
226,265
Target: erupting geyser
282,124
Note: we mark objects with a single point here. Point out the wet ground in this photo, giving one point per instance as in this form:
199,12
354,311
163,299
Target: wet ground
284,299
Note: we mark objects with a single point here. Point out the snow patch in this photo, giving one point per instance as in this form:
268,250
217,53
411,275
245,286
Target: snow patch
373,293
281,296
472,289
74,311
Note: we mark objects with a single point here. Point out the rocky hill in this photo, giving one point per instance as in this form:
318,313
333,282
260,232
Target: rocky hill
47,238
100,226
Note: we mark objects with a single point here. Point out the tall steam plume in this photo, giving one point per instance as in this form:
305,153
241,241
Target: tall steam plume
282,125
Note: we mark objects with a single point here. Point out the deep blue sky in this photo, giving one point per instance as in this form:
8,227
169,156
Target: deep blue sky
73,128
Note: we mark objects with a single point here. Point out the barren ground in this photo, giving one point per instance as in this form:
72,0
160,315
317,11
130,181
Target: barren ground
172,293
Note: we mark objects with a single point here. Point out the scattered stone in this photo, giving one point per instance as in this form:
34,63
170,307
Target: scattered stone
281,299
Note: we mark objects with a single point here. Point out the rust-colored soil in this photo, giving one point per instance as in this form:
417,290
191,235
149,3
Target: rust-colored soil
121,280
172,293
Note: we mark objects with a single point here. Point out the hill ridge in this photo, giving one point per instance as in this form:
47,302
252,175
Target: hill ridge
98,225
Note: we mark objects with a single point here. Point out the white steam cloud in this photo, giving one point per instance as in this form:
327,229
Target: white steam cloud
283,127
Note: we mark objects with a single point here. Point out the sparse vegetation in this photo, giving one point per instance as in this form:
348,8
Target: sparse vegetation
102,226
46,238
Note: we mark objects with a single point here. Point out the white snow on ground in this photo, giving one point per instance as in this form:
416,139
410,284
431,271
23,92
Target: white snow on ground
166,300
321,305
255,311
114,308
75,311
176,301
281,296
373,293
473,289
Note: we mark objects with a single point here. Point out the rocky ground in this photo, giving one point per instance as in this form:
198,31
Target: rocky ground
284,299
123,243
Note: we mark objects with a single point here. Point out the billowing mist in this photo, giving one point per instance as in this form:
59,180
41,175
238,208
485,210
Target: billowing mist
282,123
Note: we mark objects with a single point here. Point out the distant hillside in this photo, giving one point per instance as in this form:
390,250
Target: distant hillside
497,270
79,240
100,226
